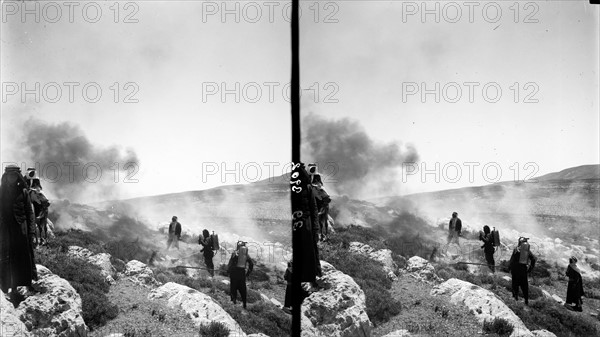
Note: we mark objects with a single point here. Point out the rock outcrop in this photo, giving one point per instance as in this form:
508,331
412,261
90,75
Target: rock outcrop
543,333
338,310
55,310
199,307
422,268
382,255
10,324
139,273
399,333
101,260
482,303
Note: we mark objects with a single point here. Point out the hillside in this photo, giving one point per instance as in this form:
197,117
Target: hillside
584,172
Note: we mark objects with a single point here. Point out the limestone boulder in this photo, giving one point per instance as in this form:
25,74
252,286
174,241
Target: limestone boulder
337,310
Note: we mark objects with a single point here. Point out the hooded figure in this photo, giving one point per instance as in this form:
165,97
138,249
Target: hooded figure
488,247
207,252
174,233
575,285
323,199
17,230
237,272
519,268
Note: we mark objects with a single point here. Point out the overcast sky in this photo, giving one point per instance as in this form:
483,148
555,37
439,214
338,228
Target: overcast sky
367,58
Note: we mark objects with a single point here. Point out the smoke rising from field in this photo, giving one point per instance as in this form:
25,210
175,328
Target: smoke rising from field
70,165
358,165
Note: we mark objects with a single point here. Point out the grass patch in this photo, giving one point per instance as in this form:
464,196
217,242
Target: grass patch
214,329
499,326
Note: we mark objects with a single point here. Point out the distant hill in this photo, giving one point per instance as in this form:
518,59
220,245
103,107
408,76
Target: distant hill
583,172
564,204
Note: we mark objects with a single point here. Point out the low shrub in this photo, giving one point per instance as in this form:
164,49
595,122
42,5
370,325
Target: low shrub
541,269
214,329
499,326
87,280
258,275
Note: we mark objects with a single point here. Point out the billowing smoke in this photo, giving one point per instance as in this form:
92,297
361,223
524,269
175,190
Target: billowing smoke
351,160
70,166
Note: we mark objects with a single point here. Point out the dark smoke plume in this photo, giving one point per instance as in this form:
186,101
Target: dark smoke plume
356,164
51,146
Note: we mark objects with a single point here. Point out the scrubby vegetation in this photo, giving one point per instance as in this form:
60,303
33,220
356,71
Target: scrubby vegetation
369,275
214,329
84,277
499,326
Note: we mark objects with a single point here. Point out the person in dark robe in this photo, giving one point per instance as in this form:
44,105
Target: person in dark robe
575,286
17,231
287,304
237,273
174,233
311,264
519,267
207,252
488,248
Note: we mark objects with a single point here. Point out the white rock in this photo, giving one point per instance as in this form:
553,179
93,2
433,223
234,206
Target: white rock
507,278
56,310
199,307
227,282
382,255
543,333
558,299
277,303
337,310
260,334
101,260
140,273
10,324
399,333
265,298
421,267
482,303
558,241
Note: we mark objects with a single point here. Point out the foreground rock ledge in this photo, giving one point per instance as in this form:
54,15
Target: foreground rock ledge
201,308
482,303
338,310
55,311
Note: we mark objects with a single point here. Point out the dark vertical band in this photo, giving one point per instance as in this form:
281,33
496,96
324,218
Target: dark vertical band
295,100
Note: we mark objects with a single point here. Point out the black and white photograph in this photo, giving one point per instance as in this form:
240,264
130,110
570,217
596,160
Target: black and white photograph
344,168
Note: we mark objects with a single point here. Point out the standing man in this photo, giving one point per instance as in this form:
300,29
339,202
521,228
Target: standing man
455,228
40,209
237,272
488,247
207,251
519,267
17,230
174,233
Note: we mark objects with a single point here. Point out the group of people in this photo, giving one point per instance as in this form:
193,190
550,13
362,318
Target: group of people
23,226
521,263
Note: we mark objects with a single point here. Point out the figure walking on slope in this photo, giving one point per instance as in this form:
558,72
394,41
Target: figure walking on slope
519,268
174,233
237,272
575,286
454,229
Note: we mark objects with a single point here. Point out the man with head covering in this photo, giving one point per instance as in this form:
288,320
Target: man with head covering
174,233
575,285
237,272
519,267
17,229
207,251
488,247
454,229
40,209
